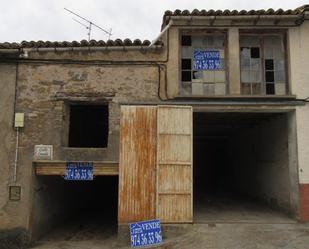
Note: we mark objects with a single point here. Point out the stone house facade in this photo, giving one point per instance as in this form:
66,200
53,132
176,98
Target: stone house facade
227,66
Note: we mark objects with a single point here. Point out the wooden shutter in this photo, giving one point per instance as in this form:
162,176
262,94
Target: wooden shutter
174,164
137,163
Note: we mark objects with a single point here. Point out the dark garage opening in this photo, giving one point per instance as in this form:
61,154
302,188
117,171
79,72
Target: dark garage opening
241,167
76,210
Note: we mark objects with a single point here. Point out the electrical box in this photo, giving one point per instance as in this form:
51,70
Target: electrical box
15,193
19,120
43,152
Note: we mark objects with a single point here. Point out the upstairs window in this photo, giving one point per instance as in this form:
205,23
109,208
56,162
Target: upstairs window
262,65
202,64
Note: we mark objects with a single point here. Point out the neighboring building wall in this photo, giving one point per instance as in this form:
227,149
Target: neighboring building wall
7,89
302,116
13,217
299,80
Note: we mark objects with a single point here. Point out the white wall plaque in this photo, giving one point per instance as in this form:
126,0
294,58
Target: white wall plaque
43,152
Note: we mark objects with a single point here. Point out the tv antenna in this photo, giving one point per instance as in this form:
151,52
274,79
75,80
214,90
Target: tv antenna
90,24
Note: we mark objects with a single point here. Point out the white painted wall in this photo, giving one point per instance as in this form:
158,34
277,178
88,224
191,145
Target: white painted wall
298,44
302,122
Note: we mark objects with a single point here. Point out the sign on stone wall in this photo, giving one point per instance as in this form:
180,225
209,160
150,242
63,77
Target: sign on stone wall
79,171
145,233
43,152
206,60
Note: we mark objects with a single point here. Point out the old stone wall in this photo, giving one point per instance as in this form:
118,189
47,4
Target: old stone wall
45,89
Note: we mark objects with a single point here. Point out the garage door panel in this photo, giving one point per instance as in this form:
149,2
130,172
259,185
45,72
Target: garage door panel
174,178
173,120
174,148
174,164
137,164
175,208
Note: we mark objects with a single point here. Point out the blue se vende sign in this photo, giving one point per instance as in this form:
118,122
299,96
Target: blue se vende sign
79,171
206,60
145,233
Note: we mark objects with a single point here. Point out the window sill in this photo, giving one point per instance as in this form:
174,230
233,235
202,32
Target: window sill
244,97
85,148
84,154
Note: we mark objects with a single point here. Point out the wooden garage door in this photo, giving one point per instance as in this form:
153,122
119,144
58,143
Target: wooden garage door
155,164
174,164
137,163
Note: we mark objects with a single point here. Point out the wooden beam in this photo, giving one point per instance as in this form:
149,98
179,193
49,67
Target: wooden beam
53,168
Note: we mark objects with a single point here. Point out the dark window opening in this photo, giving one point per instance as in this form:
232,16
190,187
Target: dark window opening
186,40
186,64
270,88
88,126
186,75
269,64
270,76
255,53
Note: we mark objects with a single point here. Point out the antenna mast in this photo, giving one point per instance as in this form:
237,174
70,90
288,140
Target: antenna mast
89,26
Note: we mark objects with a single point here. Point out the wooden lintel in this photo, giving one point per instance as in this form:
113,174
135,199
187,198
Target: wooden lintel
54,168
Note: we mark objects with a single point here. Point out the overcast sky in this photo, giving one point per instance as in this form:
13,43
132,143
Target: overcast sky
47,20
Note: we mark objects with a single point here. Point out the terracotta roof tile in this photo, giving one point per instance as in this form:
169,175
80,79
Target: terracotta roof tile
127,42
83,43
137,42
211,12
226,12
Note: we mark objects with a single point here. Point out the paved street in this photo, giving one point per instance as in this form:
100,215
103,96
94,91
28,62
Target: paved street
221,236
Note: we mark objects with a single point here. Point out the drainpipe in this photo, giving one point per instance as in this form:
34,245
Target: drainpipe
162,32
112,48
16,155
24,51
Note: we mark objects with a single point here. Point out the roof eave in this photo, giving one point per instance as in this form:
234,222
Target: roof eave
70,49
278,19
